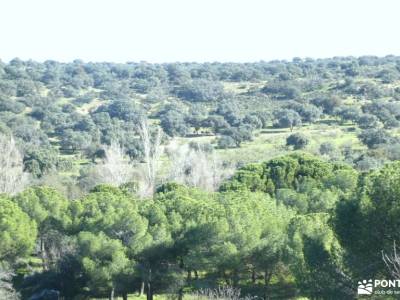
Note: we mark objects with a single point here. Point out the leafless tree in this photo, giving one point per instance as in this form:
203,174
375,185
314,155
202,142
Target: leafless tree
12,176
152,149
392,262
220,293
196,167
7,291
115,169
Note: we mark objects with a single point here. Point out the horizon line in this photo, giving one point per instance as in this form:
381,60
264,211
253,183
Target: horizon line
303,58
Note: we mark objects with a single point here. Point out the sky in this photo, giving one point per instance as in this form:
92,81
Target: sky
196,30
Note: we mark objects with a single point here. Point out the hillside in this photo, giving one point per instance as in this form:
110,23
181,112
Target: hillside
62,114
271,180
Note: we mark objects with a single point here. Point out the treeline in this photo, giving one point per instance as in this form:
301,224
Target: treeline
291,221
54,108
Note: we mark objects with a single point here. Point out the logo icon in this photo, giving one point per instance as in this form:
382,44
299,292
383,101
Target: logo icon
365,287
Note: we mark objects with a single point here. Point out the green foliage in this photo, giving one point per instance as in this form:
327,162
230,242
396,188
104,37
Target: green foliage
284,172
287,118
317,258
367,223
297,140
173,123
38,162
46,206
292,217
102,259
256,233
373,138
17,231
249,177
201,90
111,211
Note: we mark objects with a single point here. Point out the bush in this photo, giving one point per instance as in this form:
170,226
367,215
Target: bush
201,90
375,137
225,142
297,140
326,148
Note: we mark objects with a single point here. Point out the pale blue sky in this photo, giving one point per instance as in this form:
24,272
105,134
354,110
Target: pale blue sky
197,30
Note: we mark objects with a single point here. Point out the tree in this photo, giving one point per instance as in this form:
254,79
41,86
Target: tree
11,105
174,124
256,234
299,172
201,90
366,121
392,262
49,209
75,140
41,161
297,140
112,211
17,232
152,152
125,110
293,199
7,290
196,168
253,120
387,112
375,205
239,134
310,113
217,123
157,263
102,259
351,113
116,168
12,175
388,75
282,90
317,258
326,148
287,118
328,104
225,142
374,137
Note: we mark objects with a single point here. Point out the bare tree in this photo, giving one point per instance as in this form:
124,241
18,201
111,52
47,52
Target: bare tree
12,176
6,288
196,167
392,262
220,293
115,169
152,151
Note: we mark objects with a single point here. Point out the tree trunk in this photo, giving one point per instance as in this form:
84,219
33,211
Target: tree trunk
180,294
141,290
189,275
253,276
125,296
43,255
196,275
267,278
235,278
112,294
149,294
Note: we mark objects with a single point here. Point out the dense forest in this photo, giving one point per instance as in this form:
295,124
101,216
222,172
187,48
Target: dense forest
276,179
